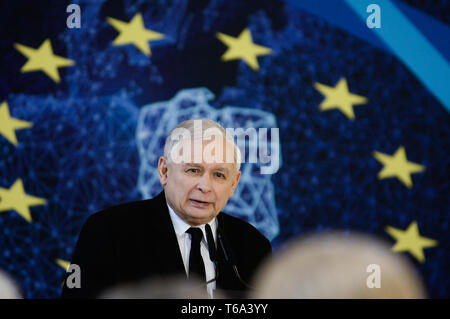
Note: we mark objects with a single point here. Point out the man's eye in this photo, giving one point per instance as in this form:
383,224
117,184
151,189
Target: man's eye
220,175
194,170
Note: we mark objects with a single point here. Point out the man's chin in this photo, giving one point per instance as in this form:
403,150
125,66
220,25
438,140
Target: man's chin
200,216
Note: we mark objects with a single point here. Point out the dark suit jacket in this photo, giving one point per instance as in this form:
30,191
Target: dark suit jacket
136,240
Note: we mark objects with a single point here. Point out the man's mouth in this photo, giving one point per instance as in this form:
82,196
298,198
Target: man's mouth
199,203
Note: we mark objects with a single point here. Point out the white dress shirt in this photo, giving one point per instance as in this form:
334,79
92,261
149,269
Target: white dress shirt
184,242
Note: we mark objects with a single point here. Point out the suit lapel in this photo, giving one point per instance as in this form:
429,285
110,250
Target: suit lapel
164,255
227,278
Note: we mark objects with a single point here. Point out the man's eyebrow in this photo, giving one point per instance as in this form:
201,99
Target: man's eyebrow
192,164
222,169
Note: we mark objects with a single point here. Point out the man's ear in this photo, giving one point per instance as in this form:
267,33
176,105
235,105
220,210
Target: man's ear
162,170
235,182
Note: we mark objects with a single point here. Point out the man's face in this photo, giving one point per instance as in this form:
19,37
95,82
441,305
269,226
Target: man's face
197,192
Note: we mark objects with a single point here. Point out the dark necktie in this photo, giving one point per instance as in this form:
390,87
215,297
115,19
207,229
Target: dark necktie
196,265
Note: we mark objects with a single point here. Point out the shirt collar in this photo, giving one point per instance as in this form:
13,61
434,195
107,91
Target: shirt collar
181,226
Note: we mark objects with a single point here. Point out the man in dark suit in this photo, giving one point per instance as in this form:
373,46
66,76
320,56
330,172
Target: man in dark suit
180,231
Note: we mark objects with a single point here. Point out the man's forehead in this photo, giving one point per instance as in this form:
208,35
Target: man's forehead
198,151
195,141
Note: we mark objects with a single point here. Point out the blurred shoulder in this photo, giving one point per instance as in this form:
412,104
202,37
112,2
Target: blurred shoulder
129,213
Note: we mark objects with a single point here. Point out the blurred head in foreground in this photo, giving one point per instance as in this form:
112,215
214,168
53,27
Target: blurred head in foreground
160,288
8,288
338,265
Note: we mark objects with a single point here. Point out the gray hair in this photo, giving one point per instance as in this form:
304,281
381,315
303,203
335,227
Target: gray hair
190,127
337,265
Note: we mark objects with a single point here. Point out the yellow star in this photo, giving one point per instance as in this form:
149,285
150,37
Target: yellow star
43,59
16,199
243,48
135,33
8,124
63,263
411,241
398,166
339,97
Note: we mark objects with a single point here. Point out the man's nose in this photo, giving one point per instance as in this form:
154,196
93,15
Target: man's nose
204,183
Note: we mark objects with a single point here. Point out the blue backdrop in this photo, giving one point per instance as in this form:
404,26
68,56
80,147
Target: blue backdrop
362,113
